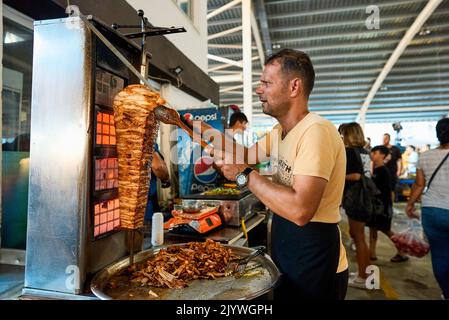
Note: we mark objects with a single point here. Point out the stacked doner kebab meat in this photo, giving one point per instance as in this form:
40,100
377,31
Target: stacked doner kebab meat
136,130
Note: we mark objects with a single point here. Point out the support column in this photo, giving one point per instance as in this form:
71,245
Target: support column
247,60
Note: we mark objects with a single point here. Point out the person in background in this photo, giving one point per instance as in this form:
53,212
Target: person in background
424,148
393,163
238,122
435,204
356,166
412,160
381,177
159,170
368,144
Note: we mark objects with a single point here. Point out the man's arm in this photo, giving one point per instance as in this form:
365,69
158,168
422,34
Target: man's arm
399,172
297,204
353,177
417,189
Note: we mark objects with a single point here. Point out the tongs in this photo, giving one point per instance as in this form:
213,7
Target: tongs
237,267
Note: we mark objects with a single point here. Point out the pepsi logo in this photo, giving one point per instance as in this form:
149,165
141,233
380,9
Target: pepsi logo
188,116
203,117
203,170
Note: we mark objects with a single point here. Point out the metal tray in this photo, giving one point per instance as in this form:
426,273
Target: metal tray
226,288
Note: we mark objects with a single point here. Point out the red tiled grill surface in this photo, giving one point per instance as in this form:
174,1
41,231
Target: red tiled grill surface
107,216
106,174
105,129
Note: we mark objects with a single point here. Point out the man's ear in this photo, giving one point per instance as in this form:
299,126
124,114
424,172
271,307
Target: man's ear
296,87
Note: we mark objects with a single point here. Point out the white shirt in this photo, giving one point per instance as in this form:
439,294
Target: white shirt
438,194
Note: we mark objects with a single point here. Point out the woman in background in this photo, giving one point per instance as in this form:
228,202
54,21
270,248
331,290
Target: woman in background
435,203
357,163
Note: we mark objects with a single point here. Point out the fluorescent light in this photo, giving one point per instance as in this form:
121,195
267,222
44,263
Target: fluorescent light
12,38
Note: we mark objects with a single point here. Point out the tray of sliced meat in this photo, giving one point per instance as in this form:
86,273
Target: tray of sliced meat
190,271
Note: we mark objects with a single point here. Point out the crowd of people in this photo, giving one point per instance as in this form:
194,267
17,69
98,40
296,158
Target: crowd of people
384,164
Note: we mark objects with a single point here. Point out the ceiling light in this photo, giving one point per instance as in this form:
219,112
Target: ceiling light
424,32
177,70
12,38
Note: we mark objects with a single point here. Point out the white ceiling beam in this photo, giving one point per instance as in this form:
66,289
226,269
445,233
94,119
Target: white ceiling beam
223,8
228,78
224,66
225,60
224,33
240,93
227,89
405,41
255,73
227,46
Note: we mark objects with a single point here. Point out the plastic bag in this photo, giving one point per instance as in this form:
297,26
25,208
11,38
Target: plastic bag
411,240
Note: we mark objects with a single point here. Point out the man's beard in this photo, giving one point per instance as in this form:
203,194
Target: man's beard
266,110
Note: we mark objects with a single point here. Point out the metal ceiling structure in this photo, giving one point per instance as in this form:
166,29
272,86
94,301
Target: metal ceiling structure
348,56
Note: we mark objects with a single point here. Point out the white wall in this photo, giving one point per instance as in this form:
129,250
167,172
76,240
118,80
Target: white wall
165,13
417,133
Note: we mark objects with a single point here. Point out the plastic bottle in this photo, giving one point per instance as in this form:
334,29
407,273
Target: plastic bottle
157,229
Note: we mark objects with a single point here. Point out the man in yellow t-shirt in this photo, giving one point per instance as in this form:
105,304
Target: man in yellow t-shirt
309,163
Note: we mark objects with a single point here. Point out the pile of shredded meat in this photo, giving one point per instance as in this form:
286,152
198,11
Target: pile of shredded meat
175,266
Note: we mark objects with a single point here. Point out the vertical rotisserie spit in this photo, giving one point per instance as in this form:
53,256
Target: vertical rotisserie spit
136,130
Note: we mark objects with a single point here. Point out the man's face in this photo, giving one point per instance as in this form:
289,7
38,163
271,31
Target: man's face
376,156
240,126
386,139
273,90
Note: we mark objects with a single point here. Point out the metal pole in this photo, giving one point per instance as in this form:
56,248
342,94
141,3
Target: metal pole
247,60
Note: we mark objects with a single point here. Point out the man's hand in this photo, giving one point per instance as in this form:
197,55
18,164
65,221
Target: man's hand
227,164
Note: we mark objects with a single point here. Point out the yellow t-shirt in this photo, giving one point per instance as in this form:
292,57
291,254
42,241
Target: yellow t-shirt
312,148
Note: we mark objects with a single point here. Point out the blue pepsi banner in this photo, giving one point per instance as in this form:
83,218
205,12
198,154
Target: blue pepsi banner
196,171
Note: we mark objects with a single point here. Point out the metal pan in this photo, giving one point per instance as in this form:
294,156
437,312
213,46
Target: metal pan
227,288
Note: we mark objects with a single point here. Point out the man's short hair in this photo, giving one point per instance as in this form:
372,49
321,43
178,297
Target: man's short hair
297,63
382,149
387,134
237,116
443,130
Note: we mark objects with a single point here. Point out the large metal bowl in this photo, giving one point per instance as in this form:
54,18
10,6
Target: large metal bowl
226,288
